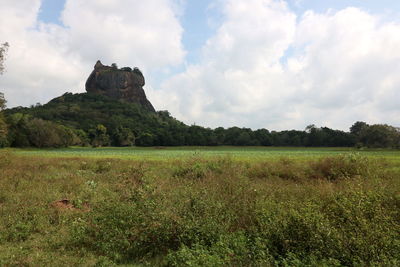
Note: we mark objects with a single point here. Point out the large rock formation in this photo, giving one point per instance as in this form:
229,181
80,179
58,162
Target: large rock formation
124,84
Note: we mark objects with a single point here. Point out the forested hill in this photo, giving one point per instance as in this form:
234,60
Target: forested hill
92,119
87,111
97,120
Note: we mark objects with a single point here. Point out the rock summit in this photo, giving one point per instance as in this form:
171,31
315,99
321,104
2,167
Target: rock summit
125,84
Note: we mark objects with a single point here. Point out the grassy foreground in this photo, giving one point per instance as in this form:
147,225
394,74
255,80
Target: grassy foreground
197,210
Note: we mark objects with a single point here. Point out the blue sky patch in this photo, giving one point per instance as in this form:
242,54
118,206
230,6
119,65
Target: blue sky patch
50,11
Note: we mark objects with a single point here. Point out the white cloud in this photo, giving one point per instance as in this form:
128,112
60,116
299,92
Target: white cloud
240,71
147,34
37,68
46,60
264,69
349,66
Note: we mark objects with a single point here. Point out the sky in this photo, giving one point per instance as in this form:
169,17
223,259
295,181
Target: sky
270,64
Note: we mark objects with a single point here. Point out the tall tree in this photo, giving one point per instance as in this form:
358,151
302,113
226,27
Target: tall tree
99,136
358,127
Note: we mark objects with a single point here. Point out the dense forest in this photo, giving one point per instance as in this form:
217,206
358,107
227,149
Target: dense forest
94,120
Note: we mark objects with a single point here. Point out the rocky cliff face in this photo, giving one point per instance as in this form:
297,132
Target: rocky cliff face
124,84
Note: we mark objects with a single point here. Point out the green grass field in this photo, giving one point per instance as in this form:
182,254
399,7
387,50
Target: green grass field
199,206
171,153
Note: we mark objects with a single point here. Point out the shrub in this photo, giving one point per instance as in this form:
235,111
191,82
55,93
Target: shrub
231,249
350,229
343,166
134,230
197,168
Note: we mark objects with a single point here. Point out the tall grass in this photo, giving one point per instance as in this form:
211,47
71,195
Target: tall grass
334,211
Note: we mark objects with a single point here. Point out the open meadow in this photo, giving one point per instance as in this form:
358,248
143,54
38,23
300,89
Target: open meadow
245,153
199,206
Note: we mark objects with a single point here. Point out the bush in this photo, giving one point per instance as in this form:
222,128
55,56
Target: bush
343,166
351,228
127,231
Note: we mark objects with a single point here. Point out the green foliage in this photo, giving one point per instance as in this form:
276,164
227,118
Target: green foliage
3,132
358,127
338,230
196,256
123,121
18,130
375,136
196,168
380,136
146,139
25,130
126,69
235,249
99,136
123,137
48,134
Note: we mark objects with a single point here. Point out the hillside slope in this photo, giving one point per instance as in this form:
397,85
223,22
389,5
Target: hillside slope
87,112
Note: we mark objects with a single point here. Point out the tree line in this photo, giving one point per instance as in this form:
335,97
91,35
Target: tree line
95,120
